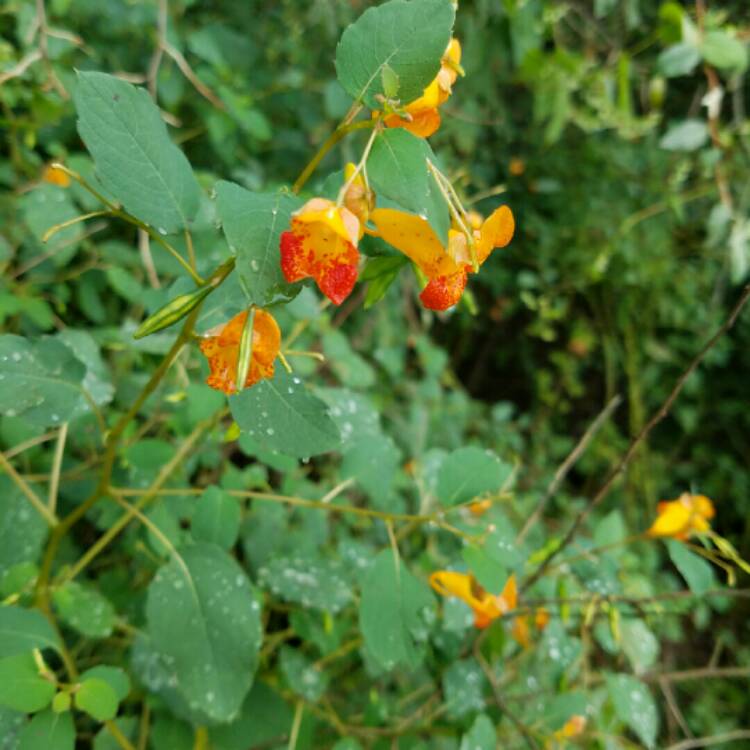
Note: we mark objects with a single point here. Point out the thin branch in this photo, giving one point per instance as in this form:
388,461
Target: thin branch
21,66
28,493
30,443
296,724
54,481
656,418
715,739
702,673
670,698
568,464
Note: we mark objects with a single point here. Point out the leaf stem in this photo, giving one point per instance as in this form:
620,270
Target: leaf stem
28,493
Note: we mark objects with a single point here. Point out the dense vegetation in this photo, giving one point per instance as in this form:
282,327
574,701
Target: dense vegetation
295,565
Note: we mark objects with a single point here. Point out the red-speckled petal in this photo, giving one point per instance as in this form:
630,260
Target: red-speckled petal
444,291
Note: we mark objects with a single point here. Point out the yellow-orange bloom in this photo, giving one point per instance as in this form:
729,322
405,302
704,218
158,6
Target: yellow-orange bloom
423,115
221,347
322,244
486,607
446,268
55,176
680,518
573,727
522,630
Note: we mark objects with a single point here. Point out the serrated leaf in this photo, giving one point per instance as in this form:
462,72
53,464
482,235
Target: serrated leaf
48,731
253,223
468,473
635,706
392,613
21,685
407,37
397,169
216,518
84,609
40,380
481,735
281,414
22,528
463,686
204,616
312,582
97,698
135,159
698,574
23,630
724,51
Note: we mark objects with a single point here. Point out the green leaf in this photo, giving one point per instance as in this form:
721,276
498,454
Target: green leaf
392,613
463,688
43,208
481,736
84,609
253,223
48,731
678,60
397,169
639,644
128,726
491,575
115,677
21,685
350,368
22,528
135,159
698,574
611,530
408,38
688,135
97,381
23,630
372,461
11,723
301,675
169,733
635,706
204,617
217,518
97,698
282,415
468,473
40,380
723,50
311,582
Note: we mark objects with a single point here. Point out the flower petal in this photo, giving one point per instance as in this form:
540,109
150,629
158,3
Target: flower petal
444,291
496,231
673,520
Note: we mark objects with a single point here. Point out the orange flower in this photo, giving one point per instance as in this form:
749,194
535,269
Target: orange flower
55,176
446,268
573,727
222,349
423,115
322,244
521,629
486,607
480,507
682,517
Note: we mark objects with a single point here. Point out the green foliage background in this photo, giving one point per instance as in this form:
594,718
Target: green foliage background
630,195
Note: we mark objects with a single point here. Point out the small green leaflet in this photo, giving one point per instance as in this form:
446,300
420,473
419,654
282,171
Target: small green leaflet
217,518
135,159
468,473
39,380
204,617
22,529
393,613
84,609
253,223
22,687
48,731
694,569
481,736
397,169
463,688
406,38
97,698
280,414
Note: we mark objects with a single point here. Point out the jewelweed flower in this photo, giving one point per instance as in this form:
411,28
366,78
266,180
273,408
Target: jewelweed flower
486,607
573,727
680,518
423,116
446,268
221,346
55,176
322,243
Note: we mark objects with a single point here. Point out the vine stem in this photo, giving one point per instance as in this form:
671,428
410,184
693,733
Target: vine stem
376,129
656,418
28,493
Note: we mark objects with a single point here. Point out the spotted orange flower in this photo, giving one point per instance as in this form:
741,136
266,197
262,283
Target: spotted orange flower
573,727
486,607
221,347
55,176
322,243
423,117
446,268
680,518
